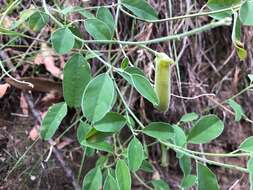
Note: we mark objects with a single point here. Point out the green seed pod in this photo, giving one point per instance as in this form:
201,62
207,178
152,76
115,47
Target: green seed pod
162,80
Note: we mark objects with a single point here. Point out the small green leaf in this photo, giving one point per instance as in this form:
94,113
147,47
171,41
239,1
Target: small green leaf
247,145
140,8
52,120
124,64
38,20
98,97
206,129
98,29
206,178
63,40
185,165
239,113
246,13
110,183
105,15
179,138
146,166
135,148
189,117
76,76
241,52
250,76
159,130
82,131
250,169
111,122
188,181
123,176
92,180
128,71
143,86
102,146
160,184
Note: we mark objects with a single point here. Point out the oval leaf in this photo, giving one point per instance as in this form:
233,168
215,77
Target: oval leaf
247,145
206,178
110,183
98,29
112,122
189,117
144,87
140,8
246,13
105,15
76,76
63,40
38,20
206,129
52,120
123,176
135,154
98,97
93,180
159,130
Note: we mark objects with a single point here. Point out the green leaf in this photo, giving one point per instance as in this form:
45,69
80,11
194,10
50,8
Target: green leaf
241,52
105,15
98,29
247,145
82,131
159,130
102,146
124,64
111,122
63,40
128,71
218,4
140,8
123,176
52,120
179,138
98,97
135,148
189,117
185,165
239,113
110,183
146,166
38,20
250,76
76,75
246,13
206,129
23,16
188,181
250,169
160,184
143,86
206,178
93,180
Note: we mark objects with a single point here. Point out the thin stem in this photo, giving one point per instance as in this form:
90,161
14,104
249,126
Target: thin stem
203,159
236,7
81,166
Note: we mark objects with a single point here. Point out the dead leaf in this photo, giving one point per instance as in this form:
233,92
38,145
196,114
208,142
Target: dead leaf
34,133
66,141
23,104
39,84
3,88
46,57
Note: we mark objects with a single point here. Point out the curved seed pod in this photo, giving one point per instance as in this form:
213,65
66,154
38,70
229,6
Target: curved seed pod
162,80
